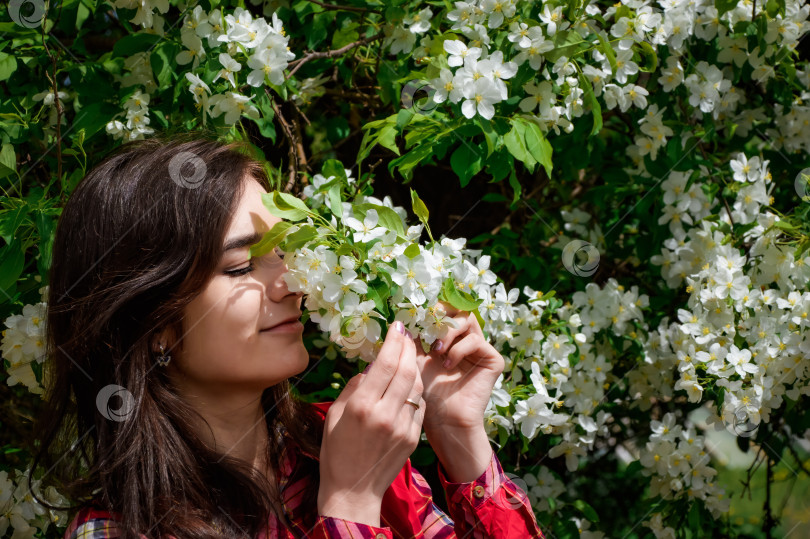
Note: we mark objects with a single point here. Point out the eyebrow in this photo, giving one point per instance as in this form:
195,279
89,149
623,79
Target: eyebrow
243,241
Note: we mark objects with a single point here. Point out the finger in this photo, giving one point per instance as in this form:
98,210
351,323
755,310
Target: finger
475,326
336,410
416,394
417,418
474,349
382,370
441,345
448,308
403,381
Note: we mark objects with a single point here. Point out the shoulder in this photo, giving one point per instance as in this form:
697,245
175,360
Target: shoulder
92,522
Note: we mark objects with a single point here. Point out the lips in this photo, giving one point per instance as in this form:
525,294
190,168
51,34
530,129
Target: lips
287,320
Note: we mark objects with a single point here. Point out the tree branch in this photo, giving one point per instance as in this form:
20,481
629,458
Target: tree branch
333,7
57,104
331,54
293,169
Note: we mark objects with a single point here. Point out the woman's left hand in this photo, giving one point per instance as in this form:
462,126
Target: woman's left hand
456,396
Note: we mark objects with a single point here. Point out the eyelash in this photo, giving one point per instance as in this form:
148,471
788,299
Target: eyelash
247,269
241,271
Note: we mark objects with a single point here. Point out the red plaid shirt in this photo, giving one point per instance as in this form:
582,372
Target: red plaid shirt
492,506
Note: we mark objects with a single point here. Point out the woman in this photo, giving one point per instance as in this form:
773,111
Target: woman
172,355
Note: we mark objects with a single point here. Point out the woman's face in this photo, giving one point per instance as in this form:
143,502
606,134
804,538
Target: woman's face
227,344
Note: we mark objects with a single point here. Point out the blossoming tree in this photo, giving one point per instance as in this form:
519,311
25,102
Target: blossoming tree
647,164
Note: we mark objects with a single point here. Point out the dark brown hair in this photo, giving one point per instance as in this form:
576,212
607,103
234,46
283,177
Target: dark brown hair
137,240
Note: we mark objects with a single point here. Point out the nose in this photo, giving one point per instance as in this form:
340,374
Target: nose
277,289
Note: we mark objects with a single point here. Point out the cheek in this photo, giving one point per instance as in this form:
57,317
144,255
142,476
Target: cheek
223,319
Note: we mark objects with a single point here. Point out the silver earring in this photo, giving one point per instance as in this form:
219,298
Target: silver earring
164,358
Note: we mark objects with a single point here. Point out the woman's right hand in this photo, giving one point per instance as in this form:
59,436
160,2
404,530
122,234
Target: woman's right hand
370,431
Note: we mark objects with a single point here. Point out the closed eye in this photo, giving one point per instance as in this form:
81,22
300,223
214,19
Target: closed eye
273,257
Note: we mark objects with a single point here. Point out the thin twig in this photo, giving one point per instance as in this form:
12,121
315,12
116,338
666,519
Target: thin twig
334,7
331,54
291,140
58,105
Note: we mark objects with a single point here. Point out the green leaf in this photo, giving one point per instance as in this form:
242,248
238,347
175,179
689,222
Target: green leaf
12,261
516,145
82,13
271,239
607,50
724,6
134,43
300,238
345,36
93,117
458,299
586,510
649,58
590,98
8,65
515,185
388,218
10,221
333,167
785,225
566,43
694,518
8,160
379,292
406,163
537,146
278,206
335,203
466,163
412,250
490,135
419,208
382,132
162,61
45,227
774,8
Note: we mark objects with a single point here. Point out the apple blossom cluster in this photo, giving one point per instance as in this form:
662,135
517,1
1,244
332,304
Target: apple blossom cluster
145,12
677,462
567,375
136,110
21,513
744,325
339,298
49,99
244,47
604,52
23,344
742,328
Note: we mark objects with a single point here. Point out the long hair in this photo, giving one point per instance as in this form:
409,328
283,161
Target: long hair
137,240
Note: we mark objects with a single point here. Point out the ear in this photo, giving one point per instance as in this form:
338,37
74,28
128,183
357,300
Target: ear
165,337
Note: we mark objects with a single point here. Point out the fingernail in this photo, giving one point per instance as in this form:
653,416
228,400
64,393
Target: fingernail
399,327
437,345
366,369
409,334
446,363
